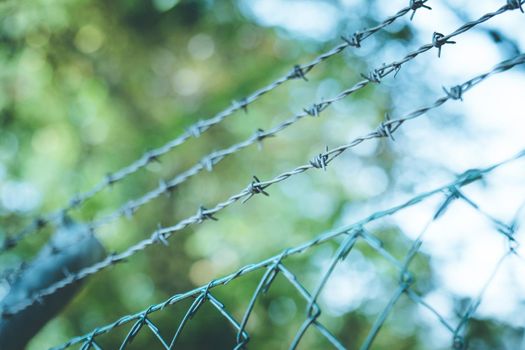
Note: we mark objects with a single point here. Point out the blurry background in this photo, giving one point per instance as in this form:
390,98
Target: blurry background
88,86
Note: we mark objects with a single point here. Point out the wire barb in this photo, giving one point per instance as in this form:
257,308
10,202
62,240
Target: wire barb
151,157
386,128
255,188
204,214
260,135
455,92
75,201
160,236
110,180
417,4
298,72
353,40
316,109
164,187
196,129
515,4
374,76
241,104
208,162
438,40
321,160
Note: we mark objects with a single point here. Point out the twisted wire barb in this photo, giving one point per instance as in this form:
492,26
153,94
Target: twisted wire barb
275,265
438,40
201,126
161,235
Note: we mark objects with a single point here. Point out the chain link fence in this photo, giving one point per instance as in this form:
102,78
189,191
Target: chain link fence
347,239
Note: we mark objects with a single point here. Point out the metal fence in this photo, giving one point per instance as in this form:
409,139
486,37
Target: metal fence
197,129
346,237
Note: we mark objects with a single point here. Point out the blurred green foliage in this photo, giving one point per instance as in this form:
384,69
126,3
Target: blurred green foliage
88,86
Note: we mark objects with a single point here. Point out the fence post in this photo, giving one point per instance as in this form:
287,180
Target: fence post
70,249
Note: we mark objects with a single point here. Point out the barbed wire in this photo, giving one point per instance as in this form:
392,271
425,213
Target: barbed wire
275,266
497,36
350,235
208,161
198,128
161,235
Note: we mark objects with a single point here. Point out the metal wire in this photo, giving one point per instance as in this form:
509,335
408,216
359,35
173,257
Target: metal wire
161,235
275,266
198,128
348,236
208,161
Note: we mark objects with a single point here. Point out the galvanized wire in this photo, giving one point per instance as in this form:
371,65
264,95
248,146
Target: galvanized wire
195,130
208,161
349,235
161,235
276,266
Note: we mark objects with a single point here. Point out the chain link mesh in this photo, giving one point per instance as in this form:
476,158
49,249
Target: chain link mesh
347,239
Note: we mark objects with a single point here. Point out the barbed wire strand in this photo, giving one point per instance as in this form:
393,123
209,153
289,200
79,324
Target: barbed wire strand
195,130
161,235
210,160
274,266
